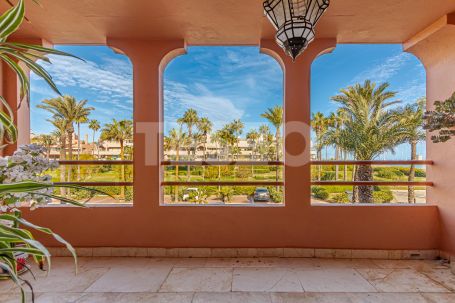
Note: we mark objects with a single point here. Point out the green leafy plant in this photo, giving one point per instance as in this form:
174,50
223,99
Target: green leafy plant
15,232
442,120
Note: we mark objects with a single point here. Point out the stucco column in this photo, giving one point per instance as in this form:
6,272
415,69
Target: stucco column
435,47
297,131
149,59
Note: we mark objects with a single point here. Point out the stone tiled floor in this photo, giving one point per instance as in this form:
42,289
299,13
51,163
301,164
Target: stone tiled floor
273,280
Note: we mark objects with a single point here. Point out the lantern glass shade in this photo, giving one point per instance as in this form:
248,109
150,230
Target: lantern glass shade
294,21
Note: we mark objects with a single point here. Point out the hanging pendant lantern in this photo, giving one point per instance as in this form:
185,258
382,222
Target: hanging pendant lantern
295,21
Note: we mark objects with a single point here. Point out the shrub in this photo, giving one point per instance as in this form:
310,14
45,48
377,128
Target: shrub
341,198
276,195
226,193
320,193
384,196
327,176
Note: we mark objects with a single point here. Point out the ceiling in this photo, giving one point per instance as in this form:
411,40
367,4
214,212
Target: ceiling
218,22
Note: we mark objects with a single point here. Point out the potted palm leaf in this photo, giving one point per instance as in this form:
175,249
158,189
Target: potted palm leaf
19,183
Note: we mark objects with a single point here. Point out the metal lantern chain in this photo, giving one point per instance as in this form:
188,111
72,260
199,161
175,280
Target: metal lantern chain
295,21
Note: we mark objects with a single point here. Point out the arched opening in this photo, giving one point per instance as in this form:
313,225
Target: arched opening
223,128
347,124
91,121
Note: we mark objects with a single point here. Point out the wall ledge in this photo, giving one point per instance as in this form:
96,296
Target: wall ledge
248,253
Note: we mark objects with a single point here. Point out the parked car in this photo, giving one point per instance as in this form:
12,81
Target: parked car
190,193
261,194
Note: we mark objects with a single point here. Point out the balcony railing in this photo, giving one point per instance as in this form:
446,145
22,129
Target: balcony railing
271,182
95,162
280,163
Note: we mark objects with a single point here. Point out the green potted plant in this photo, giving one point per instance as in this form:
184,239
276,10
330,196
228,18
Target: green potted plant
20,175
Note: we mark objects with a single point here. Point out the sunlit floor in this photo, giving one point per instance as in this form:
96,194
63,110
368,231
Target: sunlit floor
242,280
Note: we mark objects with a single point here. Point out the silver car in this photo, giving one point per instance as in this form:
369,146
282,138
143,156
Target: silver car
261,194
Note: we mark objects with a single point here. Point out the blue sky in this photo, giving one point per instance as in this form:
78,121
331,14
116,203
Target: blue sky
223,83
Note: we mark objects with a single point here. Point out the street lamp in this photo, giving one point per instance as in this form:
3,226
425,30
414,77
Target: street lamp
295,21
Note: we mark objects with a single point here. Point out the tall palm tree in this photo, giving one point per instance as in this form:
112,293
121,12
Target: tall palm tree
319,125
190,119
69,109
275,117
119,131
413,118
60,132
264,146
72,111
252,137
175,141
204,126
337,123
94,125
372,128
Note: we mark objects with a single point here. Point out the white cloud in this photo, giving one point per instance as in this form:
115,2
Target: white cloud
107,80
178,97
383,71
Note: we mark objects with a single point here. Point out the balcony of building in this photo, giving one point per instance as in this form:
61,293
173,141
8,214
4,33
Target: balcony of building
295,248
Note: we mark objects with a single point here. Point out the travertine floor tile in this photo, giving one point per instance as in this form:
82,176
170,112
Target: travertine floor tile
139,277
334,280
198,279
419,265
136,298
346,298
266,280
400,280
439,298
232,297
442,276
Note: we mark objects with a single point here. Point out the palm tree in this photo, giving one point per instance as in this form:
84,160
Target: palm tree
204,126
72,111
190,119
67,108
275,117
337,123
119,131
413,118
60,133
319,124
94,125
46,141
253,136
372,128
237,130
264,145
175,141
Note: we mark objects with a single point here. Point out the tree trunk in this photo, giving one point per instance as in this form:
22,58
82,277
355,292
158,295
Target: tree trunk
277,172
319,156
365,173
177,158
345,173
355,189
78,150
62,167
122,170
94,145
70,156
412,171
204,156
337,156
